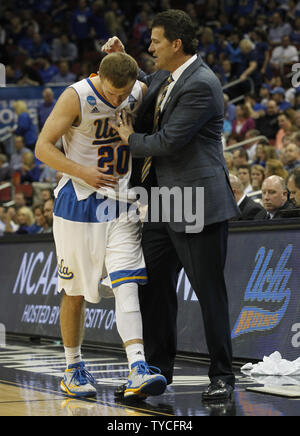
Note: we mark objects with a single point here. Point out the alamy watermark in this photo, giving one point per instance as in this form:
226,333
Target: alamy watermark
183,205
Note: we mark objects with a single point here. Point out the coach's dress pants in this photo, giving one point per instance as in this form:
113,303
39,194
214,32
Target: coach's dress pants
202,255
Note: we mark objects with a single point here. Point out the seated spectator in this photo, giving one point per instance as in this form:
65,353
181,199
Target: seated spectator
39,48
229,161
64,75
264,94
30,171
268,124
19,200
40,225
248,207
230,109
257,177
242,123
239,157
256,109
293,184
207,42
25,220
2,219
244,175
226,73
278,29
25,126
274,198
63,49
16,158
295,34
48,214
296,120
274,167
29,75
45,195
5,169
10,221
47,70
46,107
252,145
25,43
284,55
278,94
296,104
263,153
285,127
48,175
292,156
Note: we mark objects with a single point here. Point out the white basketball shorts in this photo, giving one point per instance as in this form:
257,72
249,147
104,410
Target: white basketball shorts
92,244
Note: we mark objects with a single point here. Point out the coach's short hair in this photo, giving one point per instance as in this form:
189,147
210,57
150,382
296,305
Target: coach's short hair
178,25
119,69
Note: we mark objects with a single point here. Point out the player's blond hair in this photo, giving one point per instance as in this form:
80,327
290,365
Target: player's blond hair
119,68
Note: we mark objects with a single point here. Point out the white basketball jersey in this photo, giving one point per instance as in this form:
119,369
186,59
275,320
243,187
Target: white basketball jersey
95,143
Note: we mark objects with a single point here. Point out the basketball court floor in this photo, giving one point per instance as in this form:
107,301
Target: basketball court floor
30,374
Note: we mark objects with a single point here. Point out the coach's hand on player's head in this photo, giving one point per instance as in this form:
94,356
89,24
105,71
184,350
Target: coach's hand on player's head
113,45
123,126
98,178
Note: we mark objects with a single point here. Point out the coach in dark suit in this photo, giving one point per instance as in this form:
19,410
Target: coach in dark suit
274,198
184,149
248,207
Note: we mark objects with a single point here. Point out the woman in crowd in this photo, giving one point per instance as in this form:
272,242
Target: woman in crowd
242,123
257,177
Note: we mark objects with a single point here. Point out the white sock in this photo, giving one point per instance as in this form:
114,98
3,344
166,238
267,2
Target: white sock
73,355
134,352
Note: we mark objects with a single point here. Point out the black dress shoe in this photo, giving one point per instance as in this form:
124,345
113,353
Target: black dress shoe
217,390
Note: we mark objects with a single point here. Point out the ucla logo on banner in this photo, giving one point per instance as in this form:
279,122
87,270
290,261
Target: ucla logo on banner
267,289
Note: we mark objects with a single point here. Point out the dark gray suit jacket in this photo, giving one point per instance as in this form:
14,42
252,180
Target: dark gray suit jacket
187,148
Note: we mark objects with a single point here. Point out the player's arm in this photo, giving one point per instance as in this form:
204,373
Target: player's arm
64,114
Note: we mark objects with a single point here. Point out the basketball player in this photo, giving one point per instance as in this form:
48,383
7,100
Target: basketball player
90,243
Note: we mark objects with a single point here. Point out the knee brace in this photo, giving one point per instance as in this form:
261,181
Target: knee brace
127,297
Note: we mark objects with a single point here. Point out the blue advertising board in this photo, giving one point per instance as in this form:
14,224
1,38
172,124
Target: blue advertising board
31,95
263,283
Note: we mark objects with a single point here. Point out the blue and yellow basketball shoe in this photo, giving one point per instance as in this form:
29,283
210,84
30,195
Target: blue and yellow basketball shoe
78,382
144,381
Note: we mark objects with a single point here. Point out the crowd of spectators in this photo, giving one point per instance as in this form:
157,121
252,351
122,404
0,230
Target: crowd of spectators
251,43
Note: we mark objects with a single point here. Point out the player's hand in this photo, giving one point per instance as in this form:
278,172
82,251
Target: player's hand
98,178
123,126
113,45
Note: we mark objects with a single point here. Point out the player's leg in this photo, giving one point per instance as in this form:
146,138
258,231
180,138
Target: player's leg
72,326
79,258
143,380
126,267
77,382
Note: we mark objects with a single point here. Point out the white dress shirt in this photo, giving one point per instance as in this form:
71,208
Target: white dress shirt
176,74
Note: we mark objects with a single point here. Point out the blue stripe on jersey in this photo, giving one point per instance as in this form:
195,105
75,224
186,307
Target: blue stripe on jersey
89,210
128,276
99,95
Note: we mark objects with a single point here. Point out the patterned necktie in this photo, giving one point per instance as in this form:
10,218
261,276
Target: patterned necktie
148,160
